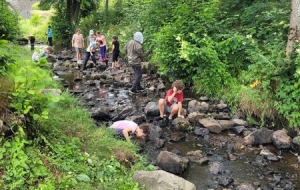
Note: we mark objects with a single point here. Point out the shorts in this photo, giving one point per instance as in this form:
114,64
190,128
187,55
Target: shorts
168,108
78,50
115,56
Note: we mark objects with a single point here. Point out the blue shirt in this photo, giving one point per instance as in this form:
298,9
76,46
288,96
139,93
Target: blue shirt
49,33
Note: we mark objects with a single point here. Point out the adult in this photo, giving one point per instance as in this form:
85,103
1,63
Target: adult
135,53
49,35
78,44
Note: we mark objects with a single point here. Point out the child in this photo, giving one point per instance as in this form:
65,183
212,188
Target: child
78,44
115,52
172,102
103,48
90,52
49,36
91,38
45,53
126,128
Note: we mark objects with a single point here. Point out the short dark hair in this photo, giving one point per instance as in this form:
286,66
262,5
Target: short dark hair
114,37
146,128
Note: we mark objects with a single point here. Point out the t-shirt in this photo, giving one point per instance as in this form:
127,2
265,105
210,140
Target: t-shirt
49,33
78,40
102,38
93,47
119,126
116,47
177,98
90,39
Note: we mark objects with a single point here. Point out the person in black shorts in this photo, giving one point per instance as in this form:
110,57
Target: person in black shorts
115,52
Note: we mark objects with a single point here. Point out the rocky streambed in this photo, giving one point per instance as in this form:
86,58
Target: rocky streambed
209,149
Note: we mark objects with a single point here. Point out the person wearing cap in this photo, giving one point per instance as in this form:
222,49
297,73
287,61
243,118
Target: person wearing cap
91,38
135,53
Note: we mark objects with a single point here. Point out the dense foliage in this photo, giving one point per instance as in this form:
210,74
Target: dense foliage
234,50
9,30
52,142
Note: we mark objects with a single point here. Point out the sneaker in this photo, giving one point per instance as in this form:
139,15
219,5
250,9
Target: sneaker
133,92
158,118
170,121
140,88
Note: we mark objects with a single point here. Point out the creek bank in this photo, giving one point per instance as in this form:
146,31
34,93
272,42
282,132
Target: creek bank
221,147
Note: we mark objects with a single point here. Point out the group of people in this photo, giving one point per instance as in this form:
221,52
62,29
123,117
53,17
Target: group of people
170,105
93,42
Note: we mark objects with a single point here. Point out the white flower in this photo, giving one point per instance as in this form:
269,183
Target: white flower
178,38
249,36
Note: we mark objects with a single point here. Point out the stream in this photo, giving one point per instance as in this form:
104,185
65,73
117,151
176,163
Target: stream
283,174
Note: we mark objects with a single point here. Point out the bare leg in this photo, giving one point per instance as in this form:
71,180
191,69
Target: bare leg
112,65
173,111
161,107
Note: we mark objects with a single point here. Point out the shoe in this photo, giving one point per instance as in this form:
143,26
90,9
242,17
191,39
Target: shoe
140,88
170,121
133,92
158,118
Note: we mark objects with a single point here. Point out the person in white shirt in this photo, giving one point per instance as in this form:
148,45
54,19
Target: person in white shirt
90,52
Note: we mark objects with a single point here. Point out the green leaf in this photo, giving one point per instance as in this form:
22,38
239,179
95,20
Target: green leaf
83,177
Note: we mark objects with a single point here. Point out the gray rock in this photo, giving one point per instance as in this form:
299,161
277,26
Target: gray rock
161,180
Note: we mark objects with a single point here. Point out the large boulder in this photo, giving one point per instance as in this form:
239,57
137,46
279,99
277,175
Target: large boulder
171,162
160,179
281,139
259,137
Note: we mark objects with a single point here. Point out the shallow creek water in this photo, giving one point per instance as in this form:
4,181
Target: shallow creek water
242,170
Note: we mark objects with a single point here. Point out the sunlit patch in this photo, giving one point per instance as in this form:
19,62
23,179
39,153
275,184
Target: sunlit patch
255,84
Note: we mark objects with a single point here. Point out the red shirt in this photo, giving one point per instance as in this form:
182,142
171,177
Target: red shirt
177,98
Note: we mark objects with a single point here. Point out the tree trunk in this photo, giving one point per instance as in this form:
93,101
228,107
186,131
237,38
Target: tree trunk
293,35
106,5
75,10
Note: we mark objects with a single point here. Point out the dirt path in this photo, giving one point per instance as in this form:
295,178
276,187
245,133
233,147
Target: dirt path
23,7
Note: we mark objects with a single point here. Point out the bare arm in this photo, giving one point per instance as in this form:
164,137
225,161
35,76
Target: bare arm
126,132
83,42
73,41
170,98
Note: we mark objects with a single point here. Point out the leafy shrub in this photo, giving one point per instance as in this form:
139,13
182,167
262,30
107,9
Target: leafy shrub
9,30
35,19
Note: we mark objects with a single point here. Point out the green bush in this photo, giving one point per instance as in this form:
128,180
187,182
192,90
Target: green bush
35,19
9,30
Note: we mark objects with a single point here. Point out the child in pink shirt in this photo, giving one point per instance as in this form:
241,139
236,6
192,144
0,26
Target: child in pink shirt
125,128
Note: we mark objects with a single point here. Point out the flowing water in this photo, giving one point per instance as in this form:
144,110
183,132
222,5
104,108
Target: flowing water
242,170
